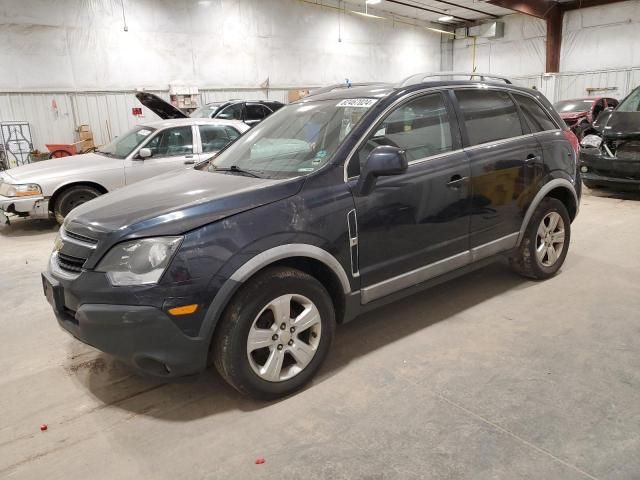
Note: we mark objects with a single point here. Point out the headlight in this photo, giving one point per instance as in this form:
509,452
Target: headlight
593,141
138,262
26,190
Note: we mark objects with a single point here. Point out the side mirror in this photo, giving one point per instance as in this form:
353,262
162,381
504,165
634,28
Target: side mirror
145,153
383,161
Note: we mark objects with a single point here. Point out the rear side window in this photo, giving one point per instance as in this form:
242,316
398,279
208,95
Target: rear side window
255,111
488,115
214,138
534,116
420,127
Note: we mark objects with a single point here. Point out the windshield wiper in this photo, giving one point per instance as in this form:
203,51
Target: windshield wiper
236,169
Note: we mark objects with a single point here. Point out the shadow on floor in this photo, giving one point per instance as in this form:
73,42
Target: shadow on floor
207,394
615,194
20,227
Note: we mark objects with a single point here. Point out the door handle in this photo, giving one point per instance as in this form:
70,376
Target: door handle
189,162
531,158
456,182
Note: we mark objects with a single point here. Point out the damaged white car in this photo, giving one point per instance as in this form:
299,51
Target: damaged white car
53,188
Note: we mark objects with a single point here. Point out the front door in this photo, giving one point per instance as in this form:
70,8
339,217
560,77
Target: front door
171,149
503,163
419,218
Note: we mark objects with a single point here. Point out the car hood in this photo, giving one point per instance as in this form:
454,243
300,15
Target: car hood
172,204
39,172
159,106
621,125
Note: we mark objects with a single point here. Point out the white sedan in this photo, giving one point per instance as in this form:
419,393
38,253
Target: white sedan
55,187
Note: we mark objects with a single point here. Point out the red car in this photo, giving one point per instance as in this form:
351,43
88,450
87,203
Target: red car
580,113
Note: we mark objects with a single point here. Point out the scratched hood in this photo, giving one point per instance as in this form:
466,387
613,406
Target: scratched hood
174,203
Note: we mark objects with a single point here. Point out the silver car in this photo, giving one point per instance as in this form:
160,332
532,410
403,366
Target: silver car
55,187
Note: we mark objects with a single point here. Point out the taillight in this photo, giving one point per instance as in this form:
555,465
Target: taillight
573,140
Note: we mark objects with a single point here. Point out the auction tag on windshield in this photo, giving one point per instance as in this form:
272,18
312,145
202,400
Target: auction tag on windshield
357,102
144,132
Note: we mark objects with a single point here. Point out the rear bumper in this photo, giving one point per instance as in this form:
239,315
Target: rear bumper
33,207
144,337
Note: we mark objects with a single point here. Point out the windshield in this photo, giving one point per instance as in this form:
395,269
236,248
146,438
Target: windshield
631,103
122,146
574,106
206,111
296,140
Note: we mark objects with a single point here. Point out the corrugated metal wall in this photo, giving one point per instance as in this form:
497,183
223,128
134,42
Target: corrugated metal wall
55,115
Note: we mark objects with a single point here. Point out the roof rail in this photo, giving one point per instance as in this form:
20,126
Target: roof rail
338,86
420,77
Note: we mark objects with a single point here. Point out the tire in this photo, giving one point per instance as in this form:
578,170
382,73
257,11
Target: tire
252,310
59,154
526,261
71,198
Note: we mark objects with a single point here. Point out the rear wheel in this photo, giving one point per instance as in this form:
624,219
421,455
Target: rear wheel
71,198
545,242
275,333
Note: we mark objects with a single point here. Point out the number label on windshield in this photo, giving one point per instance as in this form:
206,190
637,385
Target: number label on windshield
357,102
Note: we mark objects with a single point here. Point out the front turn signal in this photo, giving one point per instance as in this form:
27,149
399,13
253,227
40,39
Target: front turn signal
183,310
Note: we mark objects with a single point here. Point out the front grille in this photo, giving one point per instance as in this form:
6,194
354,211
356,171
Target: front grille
81,238
69,263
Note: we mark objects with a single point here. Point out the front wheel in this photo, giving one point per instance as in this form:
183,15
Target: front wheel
545,243
275,333
71,198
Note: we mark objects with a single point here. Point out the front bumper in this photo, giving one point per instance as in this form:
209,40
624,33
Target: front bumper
602,169
33,207
143,336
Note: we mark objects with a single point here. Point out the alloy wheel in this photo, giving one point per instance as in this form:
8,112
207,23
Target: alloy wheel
550,239
284,337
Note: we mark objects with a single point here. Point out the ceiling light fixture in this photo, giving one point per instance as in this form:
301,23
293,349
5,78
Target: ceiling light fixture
440,31
446,18
364,14
373,2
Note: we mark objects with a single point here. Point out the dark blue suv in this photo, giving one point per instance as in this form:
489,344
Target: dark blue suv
338,203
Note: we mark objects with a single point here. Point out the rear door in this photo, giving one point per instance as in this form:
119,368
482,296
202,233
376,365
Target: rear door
503,157
171,149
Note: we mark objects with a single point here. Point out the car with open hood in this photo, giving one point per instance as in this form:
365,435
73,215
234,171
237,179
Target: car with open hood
348,199
52,188
250,112
580,113
610,154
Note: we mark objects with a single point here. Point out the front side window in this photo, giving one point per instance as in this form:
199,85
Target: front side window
631,103
232,112
296,140
214,137
488,115
534,116
420,127
172,142
122,146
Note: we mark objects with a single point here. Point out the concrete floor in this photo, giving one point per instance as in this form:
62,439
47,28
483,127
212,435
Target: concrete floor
486,377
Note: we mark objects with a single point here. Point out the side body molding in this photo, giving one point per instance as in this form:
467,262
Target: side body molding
546,188
292,250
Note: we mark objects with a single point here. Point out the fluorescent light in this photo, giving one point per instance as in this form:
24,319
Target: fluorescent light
440,31
446,18
368,15
373,2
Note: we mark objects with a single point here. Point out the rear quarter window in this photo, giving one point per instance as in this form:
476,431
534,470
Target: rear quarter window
534,116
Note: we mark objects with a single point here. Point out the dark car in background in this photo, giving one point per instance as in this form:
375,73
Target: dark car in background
336,204
611,154
580,113
250,112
